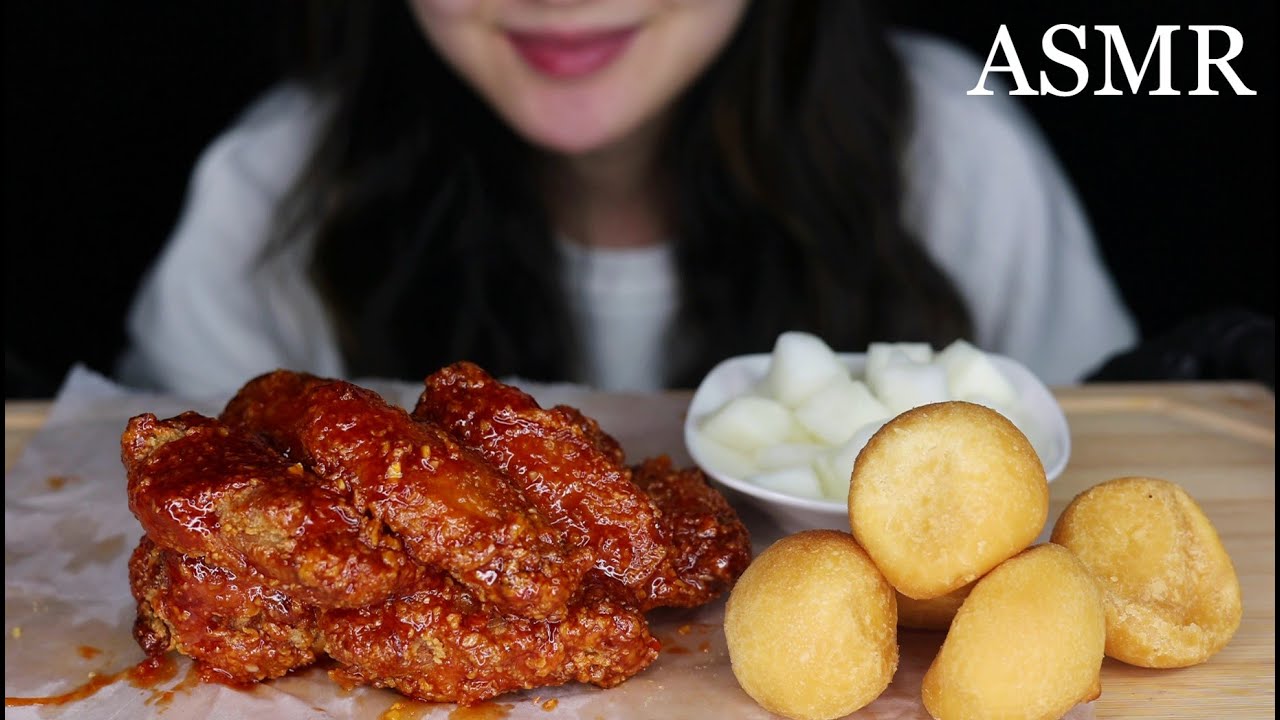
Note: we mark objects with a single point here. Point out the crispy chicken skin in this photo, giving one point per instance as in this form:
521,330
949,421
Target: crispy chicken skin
207,490
564,464
234,626
441,644
272,405
451,509
710,547
484,546
603,441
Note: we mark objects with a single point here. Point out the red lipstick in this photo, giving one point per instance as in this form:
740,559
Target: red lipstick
570,54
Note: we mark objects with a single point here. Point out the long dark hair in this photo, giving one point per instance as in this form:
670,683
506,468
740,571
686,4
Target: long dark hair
432,242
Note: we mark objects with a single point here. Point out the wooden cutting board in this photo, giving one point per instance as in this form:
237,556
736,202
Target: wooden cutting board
1217,440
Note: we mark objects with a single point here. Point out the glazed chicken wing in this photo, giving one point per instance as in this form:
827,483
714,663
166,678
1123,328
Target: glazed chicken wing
484,546
450,508
603,441
272,405
566,467
207,490
710,547
441,643
234,626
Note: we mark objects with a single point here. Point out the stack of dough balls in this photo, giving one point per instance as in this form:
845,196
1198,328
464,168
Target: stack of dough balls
944,501
941,498
1171,594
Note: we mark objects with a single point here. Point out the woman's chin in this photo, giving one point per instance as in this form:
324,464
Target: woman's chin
574,121
573,137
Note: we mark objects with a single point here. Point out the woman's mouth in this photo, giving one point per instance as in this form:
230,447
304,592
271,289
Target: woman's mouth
570,54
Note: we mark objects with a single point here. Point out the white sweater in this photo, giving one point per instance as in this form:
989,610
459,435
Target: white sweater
984,194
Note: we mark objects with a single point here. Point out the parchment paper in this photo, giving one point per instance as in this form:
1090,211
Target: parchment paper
69,614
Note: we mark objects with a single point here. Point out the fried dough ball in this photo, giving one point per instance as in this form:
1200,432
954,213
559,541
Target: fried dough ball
943,493
932,614
1171,593
1026,644
811,627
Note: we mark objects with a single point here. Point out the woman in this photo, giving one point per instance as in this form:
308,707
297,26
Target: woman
620,193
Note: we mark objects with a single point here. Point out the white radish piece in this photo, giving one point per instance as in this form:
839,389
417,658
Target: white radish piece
838,409
718,458
835,467
795,481
970,373
748,423
903,384
881,354
784,455
801,363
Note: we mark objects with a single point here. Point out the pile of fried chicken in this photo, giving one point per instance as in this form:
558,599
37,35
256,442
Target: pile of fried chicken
479,545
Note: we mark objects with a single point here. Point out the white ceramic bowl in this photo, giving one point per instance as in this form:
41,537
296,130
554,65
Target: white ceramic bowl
738,375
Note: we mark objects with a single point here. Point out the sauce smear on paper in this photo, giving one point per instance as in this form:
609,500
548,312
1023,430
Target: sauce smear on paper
164,698
481,711
408,709
146,674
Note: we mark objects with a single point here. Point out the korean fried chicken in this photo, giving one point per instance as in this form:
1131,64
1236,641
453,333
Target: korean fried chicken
573,471
563,463
232,624
484,546
709,546
207,490
441,643
272,405
451,509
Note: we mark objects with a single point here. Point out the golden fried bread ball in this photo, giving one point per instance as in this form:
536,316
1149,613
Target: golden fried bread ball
932,614
811,627
1026,644
943,493
1171,592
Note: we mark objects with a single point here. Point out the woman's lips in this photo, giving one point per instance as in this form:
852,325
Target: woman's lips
570,55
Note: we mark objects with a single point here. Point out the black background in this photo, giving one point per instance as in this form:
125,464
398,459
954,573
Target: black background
107,105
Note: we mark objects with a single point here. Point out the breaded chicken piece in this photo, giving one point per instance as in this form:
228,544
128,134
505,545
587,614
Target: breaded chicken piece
271,405
449,507
204,489
234,626
603,441
442,644
709,545
564,464
508,548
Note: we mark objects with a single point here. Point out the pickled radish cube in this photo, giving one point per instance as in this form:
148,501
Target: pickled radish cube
881,354
836,411
790,454
801,363
904,384
718,458
748,423
971,373
835,467
795,481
